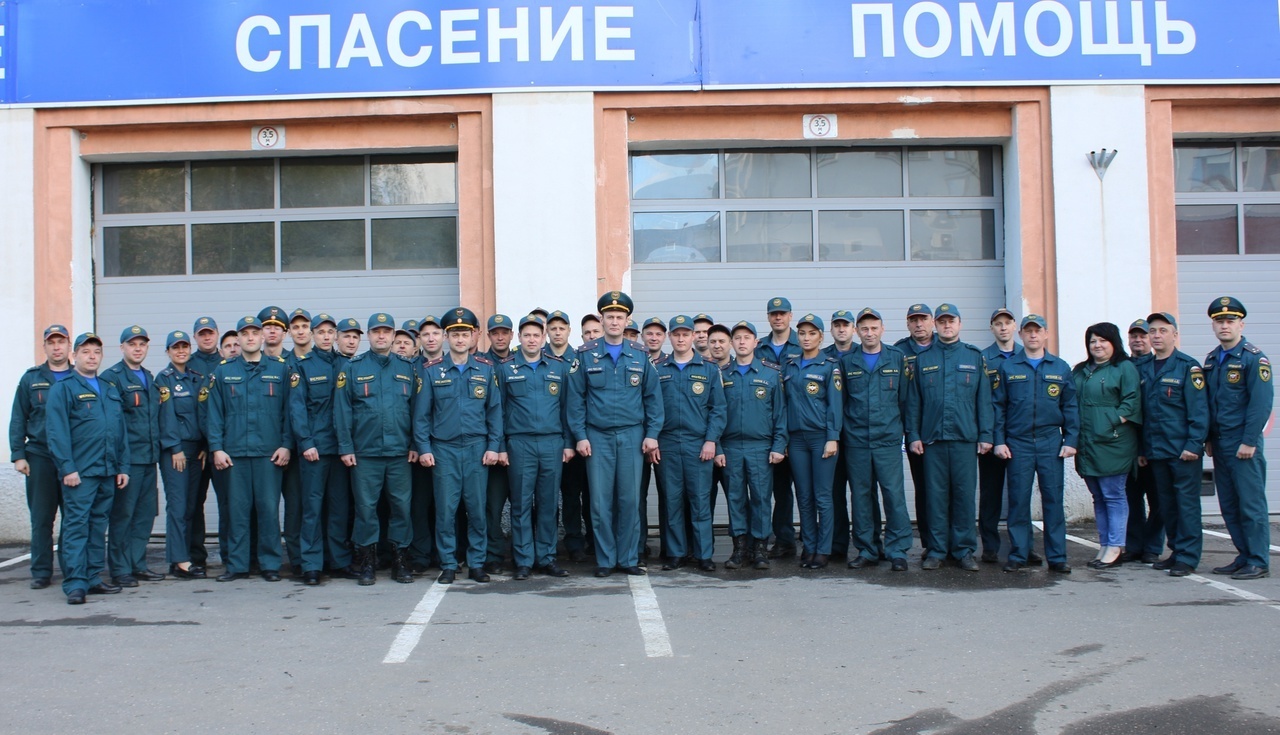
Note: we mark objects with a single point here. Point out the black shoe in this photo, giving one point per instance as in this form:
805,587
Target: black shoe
419,568
400,567
297,570
366,561
1033,559
672,563
818,561
634,571
104,588
191,572
478,575
577,556
782,550
1248,571
494,567
125,580
1181,569
1012,566
862,562
146,575
1149,558
522,573
899,564
554,570
603,572
1231,568
1100,564
739,554
311,579
347,572
706,565
931,563
40,583
968,563
1060,567
271,575
75,597
1163,565
233,576
990,557
1139,556
447,576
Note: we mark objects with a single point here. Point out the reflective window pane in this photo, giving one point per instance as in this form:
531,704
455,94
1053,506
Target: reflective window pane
1261,168
675,176
860,235
143,187
217,185
769,237
237,247
416,242
1199,169
144,251
1207,229
322,182
965,172
950,234
412,180
1262,229
676,237
325,245
875,172
760,175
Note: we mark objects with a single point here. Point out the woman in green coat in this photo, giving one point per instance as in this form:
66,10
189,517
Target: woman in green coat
1107,387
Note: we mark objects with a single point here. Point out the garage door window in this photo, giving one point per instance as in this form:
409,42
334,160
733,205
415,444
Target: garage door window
1228,198
816,205
289,215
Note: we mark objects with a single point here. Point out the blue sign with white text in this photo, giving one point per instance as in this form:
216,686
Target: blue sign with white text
56,52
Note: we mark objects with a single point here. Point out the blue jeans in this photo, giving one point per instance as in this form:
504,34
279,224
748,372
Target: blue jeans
1110,508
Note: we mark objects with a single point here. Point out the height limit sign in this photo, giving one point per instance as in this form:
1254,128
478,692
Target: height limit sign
820,126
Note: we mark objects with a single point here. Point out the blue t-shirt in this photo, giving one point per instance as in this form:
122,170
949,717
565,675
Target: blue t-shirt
615,352
60,375
777,349
140,374
742,369
870,360
680,365
917,348
93,383
1035,362
806,362
460,367
534,364
1007,355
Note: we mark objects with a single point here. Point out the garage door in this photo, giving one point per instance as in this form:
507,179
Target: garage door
1228,211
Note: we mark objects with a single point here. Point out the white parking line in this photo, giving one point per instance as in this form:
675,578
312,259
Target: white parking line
1274,549
14,560
657,644
413,628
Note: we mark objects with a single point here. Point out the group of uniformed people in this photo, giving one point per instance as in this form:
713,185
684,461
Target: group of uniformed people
407,455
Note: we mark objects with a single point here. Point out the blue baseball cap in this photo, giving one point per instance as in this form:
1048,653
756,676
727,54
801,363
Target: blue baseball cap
84,338
203,323
498,321
532,318
777,304
176,337
655,321
745,325
299,314
844,315
1163,316
248,322
132,333
556,315
1002,311
918,309
321,318
56,329
349,325
410,326
813,319
703,318
1035,319
381,319
946,310
632,326
679,321
868,313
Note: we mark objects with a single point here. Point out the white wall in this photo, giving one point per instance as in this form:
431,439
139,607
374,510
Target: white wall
17,264
1102,228
544,202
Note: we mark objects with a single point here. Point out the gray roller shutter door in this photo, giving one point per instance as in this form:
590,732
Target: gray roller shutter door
1255,280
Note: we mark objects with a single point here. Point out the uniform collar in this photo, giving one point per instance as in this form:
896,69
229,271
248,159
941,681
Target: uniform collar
521,360
1021,356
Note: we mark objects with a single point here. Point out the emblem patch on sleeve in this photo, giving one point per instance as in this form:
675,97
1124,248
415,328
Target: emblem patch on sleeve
164,394
342,380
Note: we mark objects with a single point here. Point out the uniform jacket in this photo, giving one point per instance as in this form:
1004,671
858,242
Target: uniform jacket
247,406
950,396
179,409
995,358
1106,393
373,405
1240,394
1034,402
27,420
1175,407
692,400
875,400
765,352
312,385
814,396
141,411
457,405
534,398
605,396
86,430
755,405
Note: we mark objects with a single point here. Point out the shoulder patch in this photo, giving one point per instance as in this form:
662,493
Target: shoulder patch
772,365
342,378
482,359
204,394
436,361
551,356
508,358
1250,348
224,362
295,380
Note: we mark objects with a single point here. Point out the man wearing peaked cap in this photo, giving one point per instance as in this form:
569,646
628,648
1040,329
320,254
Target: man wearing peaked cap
457,428
781,345
991,469
632,332
29,448
499,330
431,338
205,356
204,349
1238,379
181,453
614,409
920,337
134,508
91,454
653,336
274,322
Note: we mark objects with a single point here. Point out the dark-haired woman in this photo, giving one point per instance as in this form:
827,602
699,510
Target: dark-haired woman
1107,387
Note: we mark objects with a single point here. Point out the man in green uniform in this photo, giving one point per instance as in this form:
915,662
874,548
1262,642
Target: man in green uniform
29,448
781,345
842,335
1238,377
133,511
537,447
920,337
875,396
457,428
250,437
755,437
653,335
949,422
615,415
1174,428
992,469
205,356
1144,533
373,417
497,488
84,424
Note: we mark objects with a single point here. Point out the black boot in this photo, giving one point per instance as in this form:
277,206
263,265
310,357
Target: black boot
368,561
401,566
739,551
761,555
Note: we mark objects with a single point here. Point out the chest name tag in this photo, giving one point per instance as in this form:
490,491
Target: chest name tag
929,368
365,378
